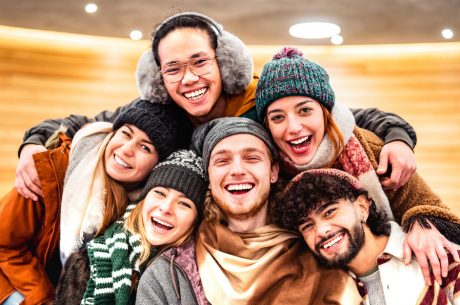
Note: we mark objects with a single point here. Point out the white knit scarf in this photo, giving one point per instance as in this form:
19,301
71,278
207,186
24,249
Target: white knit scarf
83,197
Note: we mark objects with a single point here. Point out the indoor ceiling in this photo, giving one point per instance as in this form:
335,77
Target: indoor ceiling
254,21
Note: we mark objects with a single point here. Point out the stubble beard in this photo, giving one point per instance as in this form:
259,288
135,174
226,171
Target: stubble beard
242,213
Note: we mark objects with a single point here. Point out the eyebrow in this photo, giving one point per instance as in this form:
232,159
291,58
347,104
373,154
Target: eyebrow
142,140
245,150
195,55
296,106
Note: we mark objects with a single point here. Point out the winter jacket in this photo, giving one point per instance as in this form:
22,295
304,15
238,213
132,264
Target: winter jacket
415,198
387,126
181,286
29,239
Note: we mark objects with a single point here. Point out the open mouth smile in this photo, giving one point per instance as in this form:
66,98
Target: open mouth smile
161,225
301,144
120,162
238,189
196,95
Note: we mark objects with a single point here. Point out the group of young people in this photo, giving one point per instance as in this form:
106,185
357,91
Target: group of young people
137,210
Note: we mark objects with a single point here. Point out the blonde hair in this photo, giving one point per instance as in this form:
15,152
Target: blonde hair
135,225
115,200
212,212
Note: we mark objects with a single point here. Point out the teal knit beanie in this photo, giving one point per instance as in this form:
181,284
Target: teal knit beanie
290,74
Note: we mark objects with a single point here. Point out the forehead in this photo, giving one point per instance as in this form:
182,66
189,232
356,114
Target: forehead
239,143
292,101
184,43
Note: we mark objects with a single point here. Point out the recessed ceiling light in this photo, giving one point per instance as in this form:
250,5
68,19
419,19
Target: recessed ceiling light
447,33
135,35
337,39
91,8
314,30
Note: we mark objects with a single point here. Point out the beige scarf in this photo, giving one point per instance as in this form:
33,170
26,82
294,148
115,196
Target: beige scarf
267,266
83,196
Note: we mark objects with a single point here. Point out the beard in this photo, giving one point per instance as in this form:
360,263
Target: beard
341,260
242,213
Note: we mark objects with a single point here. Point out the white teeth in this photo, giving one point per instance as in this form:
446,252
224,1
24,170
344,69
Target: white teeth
301,140
121,162
163,223
333,242
194,95
239,187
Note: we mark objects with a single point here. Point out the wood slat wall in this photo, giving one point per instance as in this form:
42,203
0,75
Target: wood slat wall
49,75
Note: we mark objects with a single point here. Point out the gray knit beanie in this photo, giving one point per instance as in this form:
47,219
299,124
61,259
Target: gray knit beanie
183,171
290,74
166,125
205,137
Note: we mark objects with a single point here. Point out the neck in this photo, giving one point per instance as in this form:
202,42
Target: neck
217,111
366,260
248,224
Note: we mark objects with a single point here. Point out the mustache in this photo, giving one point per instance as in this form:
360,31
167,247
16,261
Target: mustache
326,238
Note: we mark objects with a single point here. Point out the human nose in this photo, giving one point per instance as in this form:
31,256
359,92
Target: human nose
294,126
189,76
128,148
323,228
237,167
166,206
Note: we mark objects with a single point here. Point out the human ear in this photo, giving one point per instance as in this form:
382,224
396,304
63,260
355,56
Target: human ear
274,170
363,204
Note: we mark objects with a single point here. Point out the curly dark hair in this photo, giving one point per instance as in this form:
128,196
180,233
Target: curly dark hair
289,208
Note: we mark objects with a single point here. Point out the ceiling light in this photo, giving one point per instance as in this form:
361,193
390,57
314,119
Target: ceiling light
337,39
447,33
314,30
135,35
91,8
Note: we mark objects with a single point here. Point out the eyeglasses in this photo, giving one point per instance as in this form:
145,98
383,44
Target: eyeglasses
174,72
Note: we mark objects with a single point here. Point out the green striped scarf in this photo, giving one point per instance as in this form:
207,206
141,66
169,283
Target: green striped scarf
113,257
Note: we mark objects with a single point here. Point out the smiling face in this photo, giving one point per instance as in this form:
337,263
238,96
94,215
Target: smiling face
130,155
334,232
297,127
240,173
167,215
195,94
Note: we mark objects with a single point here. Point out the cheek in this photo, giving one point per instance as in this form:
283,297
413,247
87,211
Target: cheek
145,164
309,239
276,131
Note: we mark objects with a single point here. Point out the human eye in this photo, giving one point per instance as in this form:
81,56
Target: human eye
276,118
305,227
159,192
220,161
304,110
199,62
185,204
253,158
171,69
145,148
329,212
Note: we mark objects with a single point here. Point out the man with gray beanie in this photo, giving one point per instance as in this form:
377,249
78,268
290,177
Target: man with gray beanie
238,256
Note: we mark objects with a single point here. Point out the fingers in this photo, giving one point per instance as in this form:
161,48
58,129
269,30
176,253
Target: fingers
407,252
383,163
27,182
423,263
27,187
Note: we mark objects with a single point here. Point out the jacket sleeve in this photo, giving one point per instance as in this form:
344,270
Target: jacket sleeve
41,132
150,290
75,275
20,220
386,125
415,198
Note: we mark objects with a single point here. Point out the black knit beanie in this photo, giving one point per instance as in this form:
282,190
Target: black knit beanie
182,171
166,125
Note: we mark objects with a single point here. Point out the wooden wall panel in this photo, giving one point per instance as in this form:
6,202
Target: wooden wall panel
48,75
